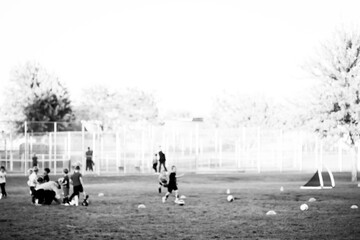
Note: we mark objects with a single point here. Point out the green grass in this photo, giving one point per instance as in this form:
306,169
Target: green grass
206,214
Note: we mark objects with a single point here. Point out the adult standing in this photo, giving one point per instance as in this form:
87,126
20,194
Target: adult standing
89,161
35,160
162,160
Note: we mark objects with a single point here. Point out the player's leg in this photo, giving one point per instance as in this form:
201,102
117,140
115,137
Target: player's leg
176,195
3,192
33,191
160,185
167,194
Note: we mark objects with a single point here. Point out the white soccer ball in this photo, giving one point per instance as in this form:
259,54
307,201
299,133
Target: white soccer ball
100,194
61,180
281,189
141,206
312,200
354,207
304,207
228,191
181,202
271,212
230,198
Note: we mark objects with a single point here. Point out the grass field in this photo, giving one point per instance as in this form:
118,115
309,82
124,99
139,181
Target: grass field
206,214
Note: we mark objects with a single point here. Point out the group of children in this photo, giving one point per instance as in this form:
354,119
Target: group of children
40,184
169,181
44,191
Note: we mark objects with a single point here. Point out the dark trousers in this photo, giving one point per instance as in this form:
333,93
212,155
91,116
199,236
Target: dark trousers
162,163
76,192
155,166
3,192
33,192
45,196
89,165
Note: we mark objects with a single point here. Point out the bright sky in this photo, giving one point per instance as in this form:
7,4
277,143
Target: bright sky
184,51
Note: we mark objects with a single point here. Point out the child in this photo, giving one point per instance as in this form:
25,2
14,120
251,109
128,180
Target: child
163,180
46,177
172,186
2,182
155,162
66,186
33,182
76,180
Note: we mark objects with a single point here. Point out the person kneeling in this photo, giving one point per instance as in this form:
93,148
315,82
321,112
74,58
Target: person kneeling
47,192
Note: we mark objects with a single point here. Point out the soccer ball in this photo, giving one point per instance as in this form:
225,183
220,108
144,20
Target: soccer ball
181,202
141,206
230,198
85,203
304,207
61,180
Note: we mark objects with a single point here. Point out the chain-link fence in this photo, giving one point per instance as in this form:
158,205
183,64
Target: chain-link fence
191,146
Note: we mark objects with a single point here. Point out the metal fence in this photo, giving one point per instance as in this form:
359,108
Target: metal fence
191,146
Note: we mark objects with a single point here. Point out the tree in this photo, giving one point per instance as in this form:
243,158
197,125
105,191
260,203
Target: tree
34,95
116,107
235,109
336,111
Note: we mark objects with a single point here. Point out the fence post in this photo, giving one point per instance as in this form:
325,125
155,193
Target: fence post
196,145
55,142
124,148
25,148
69,146
340,155
83,147
258,150
316,153
117,151
142,150
300,157
11,153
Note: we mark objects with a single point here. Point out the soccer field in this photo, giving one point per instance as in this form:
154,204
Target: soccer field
206,214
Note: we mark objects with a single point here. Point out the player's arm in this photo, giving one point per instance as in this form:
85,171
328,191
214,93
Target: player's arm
81,180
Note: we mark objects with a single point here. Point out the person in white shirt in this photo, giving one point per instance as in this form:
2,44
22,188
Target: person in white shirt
33,182
3,182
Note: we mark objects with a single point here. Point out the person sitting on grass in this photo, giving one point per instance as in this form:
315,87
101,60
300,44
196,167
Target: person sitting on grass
172,186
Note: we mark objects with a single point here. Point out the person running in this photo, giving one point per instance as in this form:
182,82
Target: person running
3,182
89,161
77,182
172,185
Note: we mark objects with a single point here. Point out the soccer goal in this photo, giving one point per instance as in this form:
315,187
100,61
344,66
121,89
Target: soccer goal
320,180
